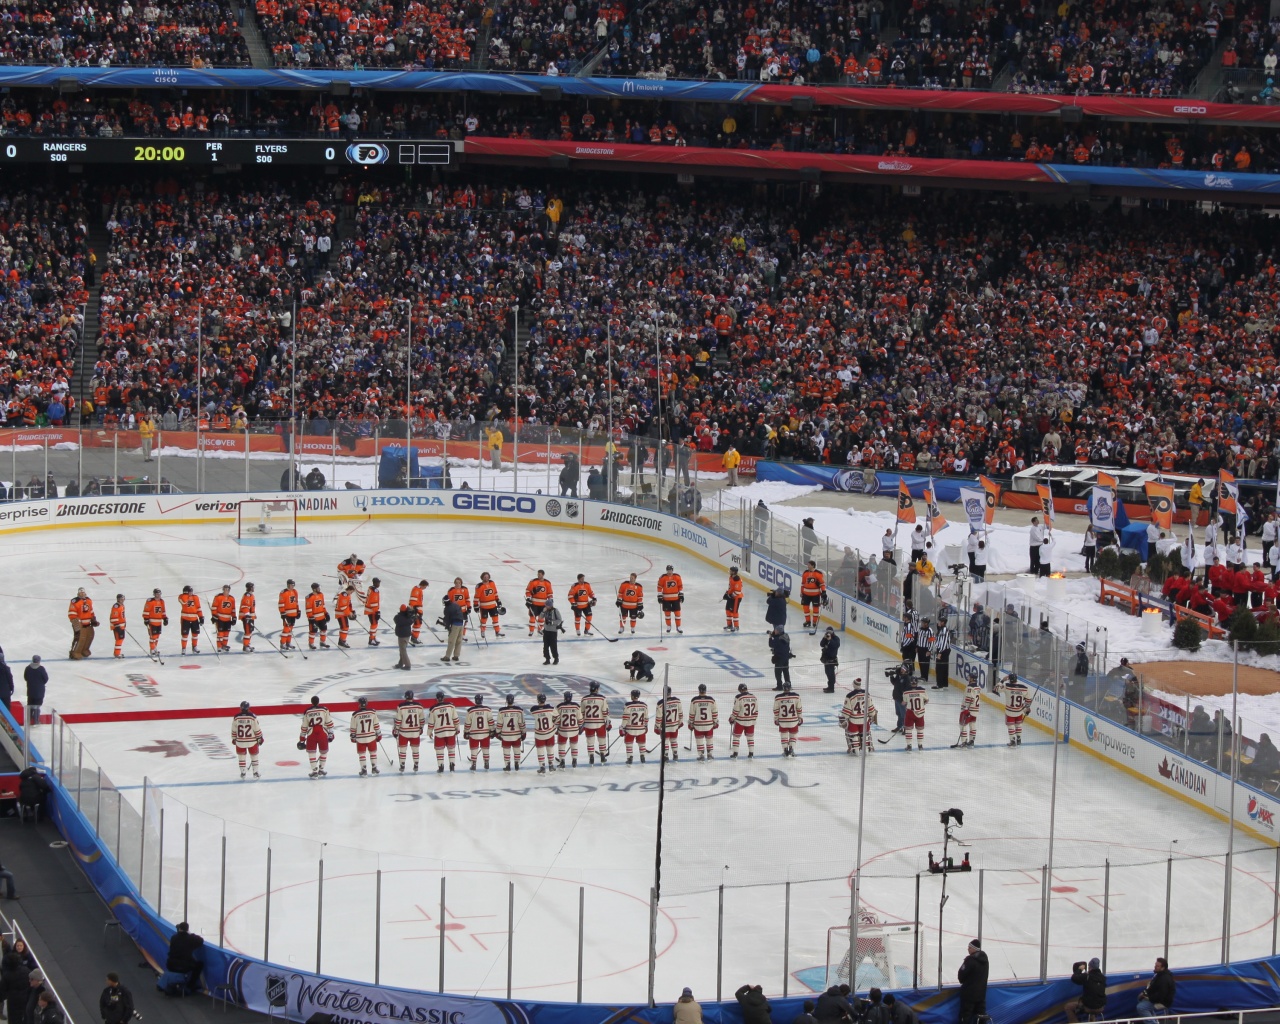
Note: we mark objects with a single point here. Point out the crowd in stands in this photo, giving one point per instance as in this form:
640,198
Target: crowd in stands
921,334
184,33
916,134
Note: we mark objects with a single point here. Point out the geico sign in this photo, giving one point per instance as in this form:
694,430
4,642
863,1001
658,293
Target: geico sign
1185,109
772,574
495,503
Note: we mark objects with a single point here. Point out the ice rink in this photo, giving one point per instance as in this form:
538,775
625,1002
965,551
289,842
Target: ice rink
534,846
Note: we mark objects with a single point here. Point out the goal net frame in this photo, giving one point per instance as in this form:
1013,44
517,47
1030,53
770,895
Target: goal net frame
888,954
257,517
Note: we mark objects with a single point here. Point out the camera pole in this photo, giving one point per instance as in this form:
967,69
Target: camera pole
946,839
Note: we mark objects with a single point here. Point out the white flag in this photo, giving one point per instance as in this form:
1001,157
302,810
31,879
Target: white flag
974,502
1103,513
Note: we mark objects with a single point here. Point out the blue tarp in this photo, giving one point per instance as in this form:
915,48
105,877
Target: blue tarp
832,478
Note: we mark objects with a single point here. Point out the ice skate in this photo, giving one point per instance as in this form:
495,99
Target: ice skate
324,646
750,754
314,774
415,642
701,758
452,766
375,770
574,763
402,769
341,643
630,759
642,761
473,766
679,630
733,755
439,769
242,773
323,770
255,774
591,759
542,771
363,772
506,767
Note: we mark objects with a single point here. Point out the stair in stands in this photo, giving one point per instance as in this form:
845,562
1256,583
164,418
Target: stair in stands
87,353
259,51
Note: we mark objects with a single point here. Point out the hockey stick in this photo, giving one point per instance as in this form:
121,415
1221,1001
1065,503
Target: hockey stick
891,735
153,655
959,742
267,640
204,628
612,639
472,626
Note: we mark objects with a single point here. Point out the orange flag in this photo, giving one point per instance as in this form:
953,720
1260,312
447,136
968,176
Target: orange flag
993,498
906,507
1160,498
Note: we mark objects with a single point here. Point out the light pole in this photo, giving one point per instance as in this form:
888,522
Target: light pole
408,395
199,398
515,412
657,352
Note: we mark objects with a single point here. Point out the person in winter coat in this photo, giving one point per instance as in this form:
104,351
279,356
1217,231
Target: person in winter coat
14,985
48,1011
830,647
775,607
6,683
37,679
973,984
780,654
754,1006
1157,998
569,476
832,1007
1093,998
552,627
686,1010
640,665
899,1012
455,622
116,1002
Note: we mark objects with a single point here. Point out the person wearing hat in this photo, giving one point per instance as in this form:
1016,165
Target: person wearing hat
31,998
454,622
808,540
830,657
552,627
760,519
403,621
686,1010
116,1002
1093,998
37,680
973,984
731,460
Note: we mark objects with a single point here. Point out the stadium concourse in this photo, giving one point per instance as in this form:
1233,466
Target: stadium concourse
160,736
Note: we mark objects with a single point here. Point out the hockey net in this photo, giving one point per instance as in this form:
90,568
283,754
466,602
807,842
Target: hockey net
885,952
272,516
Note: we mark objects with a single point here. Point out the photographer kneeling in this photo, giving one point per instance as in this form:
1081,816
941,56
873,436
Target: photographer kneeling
1092,1004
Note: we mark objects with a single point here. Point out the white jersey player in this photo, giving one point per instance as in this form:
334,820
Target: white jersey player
856,715
788,716
746,709
969,708
915,700
246,737
596,724
568,726
704,719
411,717
442,724
668,717
1017,702
316,735
365,734
635,724
511,729
545,721
479,727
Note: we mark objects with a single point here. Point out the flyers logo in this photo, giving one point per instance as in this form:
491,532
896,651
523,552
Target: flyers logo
1161,505
904,502
990,500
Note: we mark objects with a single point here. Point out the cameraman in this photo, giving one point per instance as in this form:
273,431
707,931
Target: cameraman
901,678
1093,998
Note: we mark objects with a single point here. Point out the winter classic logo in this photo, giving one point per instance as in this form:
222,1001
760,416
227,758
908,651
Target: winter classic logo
973,509
1259,814
1096,735
1102,509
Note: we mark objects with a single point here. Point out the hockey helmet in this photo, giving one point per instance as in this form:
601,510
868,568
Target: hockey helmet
244,705
742,687
702,687
594,687
568,695
635,694
363,702
408,695
478,699
315,701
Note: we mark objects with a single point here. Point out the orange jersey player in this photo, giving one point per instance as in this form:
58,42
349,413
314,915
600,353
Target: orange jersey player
416,595
732,600
317,619
373,609
156,617
289,611
248,616
535,599
813,592
671,595
344,611
192,618
223,609
118,625
630,603
581,599
351,569
488,602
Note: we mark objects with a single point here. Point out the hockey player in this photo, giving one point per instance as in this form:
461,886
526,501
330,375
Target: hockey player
155,616
287,603
671,595
630,603
486,598
351,569
544,734
1017,701
668,718
373,610
442,723
344,611
511,731
568,726
915,699
581,599
788,716
704,718
317,619
415,604
83,623
366,733
596,724
830,657
316,735
479,727
732,600
640,666
535,599
813,594
969,708
222,608
248,617
246,737
635,723
743,719
192,618
117,621
856,716
407,730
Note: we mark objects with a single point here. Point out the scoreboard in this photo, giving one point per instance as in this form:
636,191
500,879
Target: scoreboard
180,151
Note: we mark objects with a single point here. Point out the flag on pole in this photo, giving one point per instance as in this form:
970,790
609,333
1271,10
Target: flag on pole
1160,498
974,503
906,507
991,500
1228,493
932,511
1045,492
1106,480
1102,509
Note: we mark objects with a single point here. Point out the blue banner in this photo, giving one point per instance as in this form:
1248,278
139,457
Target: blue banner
1138,177
853,481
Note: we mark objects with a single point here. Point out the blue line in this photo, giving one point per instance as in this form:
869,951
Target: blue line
720,760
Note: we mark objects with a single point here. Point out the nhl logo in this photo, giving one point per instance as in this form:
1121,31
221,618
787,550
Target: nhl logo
553,508
277,990
571,509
